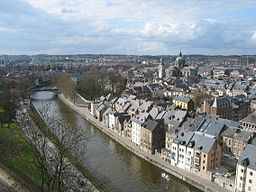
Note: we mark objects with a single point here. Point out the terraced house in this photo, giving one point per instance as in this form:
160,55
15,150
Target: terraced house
184,103
152,136
246,170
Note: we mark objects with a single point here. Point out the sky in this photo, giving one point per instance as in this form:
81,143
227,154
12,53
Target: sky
138,27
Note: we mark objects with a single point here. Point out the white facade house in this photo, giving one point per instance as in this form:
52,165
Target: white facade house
94,105
189,156
175,153
111,120
136,131
246,170
182,153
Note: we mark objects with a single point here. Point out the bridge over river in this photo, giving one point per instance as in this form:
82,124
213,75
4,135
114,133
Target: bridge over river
54,90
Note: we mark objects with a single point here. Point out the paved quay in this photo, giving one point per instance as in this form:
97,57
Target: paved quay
8,183
3,185
76,180
186,176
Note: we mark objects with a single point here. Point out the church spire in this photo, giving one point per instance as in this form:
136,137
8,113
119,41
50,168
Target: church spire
180,54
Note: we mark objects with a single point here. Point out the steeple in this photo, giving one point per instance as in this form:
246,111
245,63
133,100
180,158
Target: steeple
215,103
161,69
180,54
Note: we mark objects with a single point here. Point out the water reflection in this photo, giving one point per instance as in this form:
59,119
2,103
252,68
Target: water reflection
112,164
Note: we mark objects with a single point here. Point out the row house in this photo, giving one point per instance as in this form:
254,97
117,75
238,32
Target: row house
152,136
195,153
119,105
112,119
105,116
166,153
127,132
99,111
120,123
234,140
184,103
246,170
181,155
137,123
207,153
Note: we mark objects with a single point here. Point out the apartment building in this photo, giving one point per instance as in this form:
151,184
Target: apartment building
246,170
184,103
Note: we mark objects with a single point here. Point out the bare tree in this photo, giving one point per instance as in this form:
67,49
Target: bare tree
59,159
65,85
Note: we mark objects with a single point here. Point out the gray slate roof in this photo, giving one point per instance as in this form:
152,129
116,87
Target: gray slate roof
250,118
213,125
150,125
182,99
203,142
248,159
184,137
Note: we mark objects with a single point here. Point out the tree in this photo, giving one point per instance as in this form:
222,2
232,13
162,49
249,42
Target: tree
65,84
69,145
198,98
1,118
8,101
98,83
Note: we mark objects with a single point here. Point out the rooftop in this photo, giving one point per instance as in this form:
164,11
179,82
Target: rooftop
248,159
250,118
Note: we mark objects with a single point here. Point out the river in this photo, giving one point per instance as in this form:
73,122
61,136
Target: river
112,164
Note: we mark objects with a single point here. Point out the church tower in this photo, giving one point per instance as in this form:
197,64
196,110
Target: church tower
161,69
180,61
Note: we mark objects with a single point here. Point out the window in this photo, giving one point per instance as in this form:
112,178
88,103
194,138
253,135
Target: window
203,167
241,178
249,188
251,173
204,155
250,181
242,170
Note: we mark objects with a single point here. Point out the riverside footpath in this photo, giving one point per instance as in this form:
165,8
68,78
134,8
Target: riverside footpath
188,177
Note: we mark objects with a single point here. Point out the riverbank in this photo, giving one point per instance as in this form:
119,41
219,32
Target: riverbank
7,182
79,177
17,170
188,177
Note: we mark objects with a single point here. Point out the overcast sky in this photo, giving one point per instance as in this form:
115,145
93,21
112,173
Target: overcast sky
128,26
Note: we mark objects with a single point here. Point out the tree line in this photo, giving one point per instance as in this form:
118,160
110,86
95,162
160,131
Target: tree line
103,82
11,92
95,84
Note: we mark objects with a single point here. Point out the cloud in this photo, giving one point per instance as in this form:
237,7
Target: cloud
128,27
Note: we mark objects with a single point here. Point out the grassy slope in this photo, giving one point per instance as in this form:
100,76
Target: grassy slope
18,156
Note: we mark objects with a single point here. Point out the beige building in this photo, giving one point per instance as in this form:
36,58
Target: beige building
184,103
152,136
246,170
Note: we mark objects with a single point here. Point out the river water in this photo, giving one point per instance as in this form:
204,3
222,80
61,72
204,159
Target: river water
112,164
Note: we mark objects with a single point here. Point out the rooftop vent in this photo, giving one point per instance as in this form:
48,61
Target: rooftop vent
245,162
191,144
